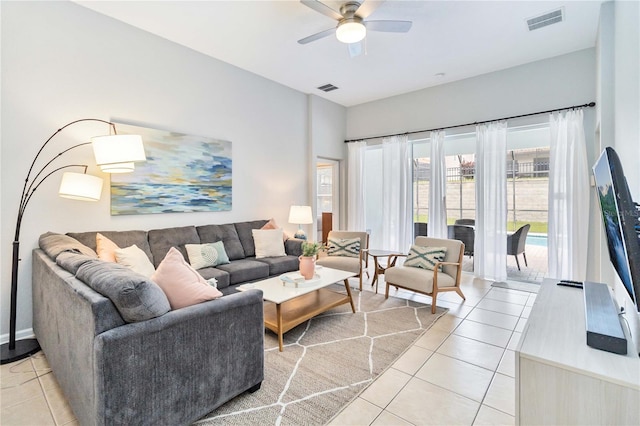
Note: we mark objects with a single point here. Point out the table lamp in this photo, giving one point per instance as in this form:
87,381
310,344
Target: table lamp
302,216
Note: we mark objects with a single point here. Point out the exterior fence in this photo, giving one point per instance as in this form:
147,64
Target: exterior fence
527,192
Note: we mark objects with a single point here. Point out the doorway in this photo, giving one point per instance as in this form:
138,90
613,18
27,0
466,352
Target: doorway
327,196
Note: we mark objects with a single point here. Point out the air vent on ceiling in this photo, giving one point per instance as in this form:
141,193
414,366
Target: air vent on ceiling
327,87
546,19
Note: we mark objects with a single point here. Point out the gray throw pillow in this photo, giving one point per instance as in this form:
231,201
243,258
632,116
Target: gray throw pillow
53,244
136,297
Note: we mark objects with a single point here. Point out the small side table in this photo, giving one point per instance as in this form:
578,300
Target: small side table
377,268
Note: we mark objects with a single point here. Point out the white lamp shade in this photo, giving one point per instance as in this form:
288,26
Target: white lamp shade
80,186
117,153
351,32
300,215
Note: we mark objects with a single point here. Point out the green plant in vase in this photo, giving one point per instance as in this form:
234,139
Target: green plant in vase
308,259
311,249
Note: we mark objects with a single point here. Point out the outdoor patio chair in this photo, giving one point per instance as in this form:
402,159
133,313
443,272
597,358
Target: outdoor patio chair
516,244
342,255
464,233
420,229
445,275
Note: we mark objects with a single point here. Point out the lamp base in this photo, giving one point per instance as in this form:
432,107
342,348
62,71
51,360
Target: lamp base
300,235
23,349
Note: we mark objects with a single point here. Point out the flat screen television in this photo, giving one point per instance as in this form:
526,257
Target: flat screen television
621,221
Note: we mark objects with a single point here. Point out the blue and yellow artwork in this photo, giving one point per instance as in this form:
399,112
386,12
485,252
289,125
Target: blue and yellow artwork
183,173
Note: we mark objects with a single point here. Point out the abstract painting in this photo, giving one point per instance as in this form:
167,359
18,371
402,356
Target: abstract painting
183,173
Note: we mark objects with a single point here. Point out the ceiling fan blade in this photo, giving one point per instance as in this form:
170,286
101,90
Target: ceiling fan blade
317,36
355,49
367,7
322,8
389,26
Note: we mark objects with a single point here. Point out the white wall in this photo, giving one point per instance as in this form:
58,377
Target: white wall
538,86
327,130
61,62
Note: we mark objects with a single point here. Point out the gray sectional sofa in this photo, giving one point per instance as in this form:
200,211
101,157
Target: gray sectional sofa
173,368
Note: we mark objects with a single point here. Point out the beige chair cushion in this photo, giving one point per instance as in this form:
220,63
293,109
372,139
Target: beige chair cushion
417,278
350,264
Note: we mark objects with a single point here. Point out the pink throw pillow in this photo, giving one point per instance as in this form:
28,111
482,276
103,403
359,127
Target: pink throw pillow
273,225
106,248
182,284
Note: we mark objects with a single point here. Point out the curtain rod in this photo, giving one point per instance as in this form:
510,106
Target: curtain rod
589,105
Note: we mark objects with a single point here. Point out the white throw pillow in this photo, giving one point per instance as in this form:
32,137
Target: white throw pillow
268,242
136,259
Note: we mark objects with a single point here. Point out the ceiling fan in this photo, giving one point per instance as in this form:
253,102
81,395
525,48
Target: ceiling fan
352,27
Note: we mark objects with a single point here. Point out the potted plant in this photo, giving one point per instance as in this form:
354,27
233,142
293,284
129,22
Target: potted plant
308,259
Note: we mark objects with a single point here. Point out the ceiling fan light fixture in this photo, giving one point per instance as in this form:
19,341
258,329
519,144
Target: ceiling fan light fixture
351,31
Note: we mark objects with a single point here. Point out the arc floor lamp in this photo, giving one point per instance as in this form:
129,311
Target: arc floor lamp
113,154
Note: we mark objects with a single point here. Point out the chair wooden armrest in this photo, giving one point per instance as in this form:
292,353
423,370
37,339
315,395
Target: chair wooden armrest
447,263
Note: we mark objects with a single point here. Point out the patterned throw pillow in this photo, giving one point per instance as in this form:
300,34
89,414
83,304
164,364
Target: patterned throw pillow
349,247
425,257
205,255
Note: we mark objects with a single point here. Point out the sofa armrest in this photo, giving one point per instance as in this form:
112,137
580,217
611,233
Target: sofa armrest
293,246
183,364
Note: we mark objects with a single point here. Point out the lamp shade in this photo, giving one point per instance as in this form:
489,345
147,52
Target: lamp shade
351,31
80,186
300,215
117,153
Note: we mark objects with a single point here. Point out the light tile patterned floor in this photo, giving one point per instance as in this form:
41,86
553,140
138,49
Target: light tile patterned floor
460,372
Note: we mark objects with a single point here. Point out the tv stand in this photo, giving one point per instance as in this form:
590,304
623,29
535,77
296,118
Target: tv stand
561,380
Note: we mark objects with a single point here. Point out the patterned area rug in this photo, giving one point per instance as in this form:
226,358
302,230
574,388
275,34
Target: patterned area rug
327,361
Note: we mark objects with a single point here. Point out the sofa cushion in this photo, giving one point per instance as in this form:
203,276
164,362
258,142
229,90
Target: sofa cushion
222,277
268,242
136,297
245,270
182,284
53,244
120,238
135,259
280,265
246,236
225,233
71,261
161,241
206,255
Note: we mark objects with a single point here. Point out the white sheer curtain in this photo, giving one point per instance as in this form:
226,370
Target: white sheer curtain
568,197
437,227
397,205
491,201
355,186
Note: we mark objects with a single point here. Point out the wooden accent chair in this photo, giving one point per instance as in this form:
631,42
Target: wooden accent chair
516,244
426,281
357,264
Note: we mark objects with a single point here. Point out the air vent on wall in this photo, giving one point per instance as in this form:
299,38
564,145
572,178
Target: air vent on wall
327,87
546,19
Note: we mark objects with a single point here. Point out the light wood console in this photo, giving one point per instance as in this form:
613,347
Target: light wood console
562,381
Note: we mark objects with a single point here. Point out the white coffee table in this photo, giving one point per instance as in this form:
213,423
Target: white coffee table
290,306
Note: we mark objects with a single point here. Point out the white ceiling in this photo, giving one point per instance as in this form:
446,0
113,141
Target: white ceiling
458,38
